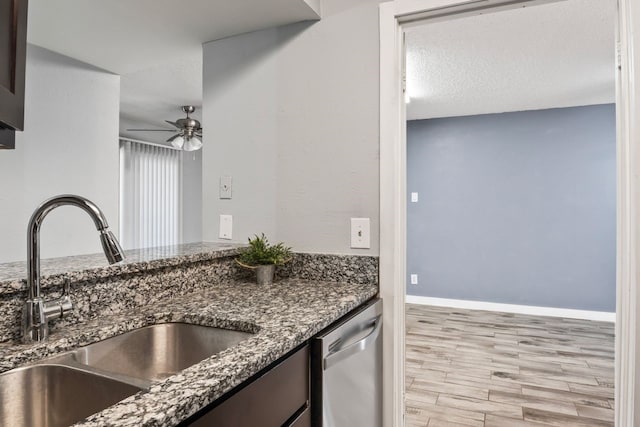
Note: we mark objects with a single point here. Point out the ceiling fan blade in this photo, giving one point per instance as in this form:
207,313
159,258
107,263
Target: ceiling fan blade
150,130
173,124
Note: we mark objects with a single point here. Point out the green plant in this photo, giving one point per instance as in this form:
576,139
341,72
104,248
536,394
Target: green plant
260,252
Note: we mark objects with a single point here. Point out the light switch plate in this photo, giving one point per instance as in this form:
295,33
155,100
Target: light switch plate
414,197
360,233
226,227
226,187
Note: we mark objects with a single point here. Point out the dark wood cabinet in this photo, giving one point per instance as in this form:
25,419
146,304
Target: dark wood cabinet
13,55
276,397
301,420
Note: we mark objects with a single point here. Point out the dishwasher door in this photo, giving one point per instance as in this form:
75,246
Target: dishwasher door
347,371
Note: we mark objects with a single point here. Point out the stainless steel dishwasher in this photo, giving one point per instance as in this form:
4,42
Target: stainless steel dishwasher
346,371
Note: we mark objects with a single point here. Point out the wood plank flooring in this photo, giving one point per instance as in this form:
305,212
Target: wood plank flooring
479,368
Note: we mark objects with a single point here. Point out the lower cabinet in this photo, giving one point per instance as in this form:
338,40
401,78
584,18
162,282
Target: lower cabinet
302,420
277,397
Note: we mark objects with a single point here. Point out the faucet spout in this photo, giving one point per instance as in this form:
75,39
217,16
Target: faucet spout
37,312
111,247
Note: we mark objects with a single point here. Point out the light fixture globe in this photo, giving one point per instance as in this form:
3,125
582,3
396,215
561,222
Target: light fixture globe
192,144
178,142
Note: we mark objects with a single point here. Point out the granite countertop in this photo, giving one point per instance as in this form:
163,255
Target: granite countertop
94,266
282,316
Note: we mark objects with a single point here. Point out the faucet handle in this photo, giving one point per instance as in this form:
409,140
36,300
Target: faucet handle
58,308
66,288
66,305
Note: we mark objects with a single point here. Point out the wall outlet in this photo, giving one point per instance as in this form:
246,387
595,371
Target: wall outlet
225,187
226,227
414,279
360,233
414,197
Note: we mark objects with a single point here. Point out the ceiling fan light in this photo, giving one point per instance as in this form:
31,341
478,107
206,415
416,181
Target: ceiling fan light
192,144
178,142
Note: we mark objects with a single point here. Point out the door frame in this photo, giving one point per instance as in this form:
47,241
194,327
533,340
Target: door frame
396,15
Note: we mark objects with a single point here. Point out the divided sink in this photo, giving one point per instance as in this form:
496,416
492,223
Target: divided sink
55,395
65,389
158,351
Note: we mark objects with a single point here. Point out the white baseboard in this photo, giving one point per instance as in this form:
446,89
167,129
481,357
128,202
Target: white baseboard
569,313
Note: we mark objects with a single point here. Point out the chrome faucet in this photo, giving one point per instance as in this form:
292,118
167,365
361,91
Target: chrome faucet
38,312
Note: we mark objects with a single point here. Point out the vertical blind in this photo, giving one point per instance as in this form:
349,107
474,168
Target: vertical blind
150,205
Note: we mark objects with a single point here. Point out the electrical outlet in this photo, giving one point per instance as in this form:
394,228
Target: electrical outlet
414,279
360,233
226,227
225,187
414,197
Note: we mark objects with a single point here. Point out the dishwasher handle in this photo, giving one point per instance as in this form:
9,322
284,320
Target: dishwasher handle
340,354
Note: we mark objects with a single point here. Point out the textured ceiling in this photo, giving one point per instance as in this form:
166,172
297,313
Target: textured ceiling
155,45
553,55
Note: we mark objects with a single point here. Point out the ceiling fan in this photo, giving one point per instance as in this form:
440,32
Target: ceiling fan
188,135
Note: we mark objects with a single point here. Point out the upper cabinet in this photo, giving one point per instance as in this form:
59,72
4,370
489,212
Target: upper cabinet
13,54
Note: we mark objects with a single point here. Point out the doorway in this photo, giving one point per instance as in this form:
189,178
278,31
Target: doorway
394,20
511,171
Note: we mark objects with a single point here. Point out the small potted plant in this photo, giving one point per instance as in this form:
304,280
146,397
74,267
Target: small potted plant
264,257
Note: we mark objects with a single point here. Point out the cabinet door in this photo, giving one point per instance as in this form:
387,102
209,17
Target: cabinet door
273,400
13,54
302,420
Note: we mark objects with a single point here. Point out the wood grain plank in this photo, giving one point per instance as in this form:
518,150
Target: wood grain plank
478,368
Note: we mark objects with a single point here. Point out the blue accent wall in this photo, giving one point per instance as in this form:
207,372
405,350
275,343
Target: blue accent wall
516,208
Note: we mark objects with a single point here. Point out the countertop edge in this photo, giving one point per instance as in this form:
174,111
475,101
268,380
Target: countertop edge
166,259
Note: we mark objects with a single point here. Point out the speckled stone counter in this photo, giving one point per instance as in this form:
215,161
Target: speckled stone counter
200,284
282,316
152,275
95,266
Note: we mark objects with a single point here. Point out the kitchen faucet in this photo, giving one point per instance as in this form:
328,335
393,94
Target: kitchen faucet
38,312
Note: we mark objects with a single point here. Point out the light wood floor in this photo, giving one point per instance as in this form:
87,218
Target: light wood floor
478,368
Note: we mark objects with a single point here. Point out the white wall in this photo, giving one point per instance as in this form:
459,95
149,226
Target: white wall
70,145
240,137
292,114
316,5
191,196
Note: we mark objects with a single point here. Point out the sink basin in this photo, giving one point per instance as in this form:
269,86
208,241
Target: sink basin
158,351
54,395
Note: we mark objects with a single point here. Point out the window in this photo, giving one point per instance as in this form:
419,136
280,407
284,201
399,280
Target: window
150,195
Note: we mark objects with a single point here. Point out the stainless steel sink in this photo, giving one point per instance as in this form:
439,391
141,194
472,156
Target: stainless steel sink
158,351
69,387
55,395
